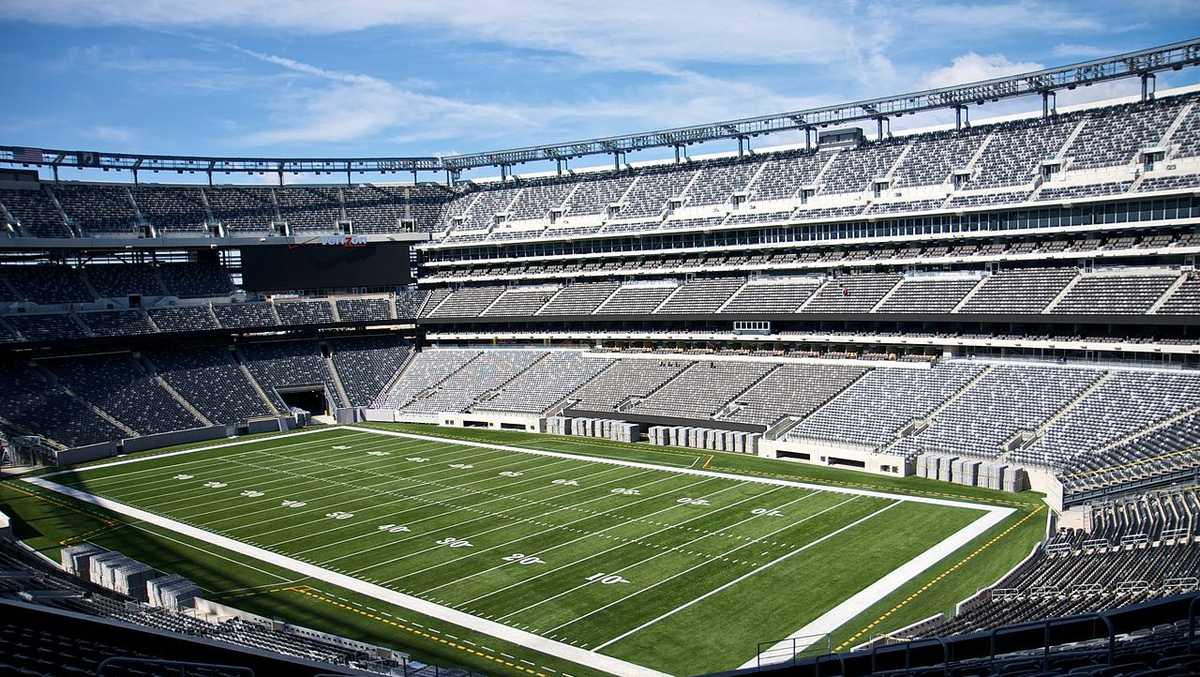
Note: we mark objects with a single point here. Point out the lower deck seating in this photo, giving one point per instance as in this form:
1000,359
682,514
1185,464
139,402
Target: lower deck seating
282,365
120,387
210,380
366,365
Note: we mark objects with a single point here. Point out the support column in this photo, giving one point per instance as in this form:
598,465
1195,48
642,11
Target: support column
558,166
676,153
616,161
1148,86
741,147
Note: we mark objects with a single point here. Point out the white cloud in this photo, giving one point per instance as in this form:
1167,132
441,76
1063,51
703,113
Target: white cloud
972,67
109,134
1028,18
1073,50
619,33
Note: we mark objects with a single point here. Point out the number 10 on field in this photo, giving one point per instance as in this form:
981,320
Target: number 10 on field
607,579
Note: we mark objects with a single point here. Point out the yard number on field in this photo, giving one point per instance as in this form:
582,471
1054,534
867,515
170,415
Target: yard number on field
607,579
766,512
416,459
523,559
626,492
566,483
393,528
461,466
510,473
693,501
455,542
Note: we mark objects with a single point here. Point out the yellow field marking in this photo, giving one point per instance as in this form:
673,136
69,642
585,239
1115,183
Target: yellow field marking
107,521
707,461
327,598
887,614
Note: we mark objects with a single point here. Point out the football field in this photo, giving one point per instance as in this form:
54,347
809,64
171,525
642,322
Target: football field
677,570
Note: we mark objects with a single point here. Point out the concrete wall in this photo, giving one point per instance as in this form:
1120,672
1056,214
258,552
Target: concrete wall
494,420
91,452
836,455
145,442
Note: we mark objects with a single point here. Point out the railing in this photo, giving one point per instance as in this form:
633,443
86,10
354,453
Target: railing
789,650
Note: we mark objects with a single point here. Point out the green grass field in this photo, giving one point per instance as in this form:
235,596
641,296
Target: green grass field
673,571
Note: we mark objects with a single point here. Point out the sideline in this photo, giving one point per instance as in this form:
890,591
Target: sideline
529,640
830,620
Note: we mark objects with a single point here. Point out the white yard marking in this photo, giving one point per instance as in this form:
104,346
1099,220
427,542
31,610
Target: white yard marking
533,518
597,554
993,515
222,464
660,553
854,605
695,471
510,544
183,452
743,577
423,506
506,633
727,553
400,493
256,471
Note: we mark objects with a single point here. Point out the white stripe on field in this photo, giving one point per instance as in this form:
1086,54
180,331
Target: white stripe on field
550,647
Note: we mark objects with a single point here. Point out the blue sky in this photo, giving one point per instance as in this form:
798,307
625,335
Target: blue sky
376,77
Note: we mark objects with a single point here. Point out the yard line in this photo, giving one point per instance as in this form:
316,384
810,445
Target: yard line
743,577
230,503
503,632
127,475
456,525
710,561
376,493
699,472
227,470
597,554
393,515
508,544
673,549
269,483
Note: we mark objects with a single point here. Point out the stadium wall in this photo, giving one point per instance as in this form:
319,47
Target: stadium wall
494,420
835,455
147,442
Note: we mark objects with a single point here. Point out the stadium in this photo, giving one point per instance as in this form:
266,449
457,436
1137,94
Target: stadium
904,402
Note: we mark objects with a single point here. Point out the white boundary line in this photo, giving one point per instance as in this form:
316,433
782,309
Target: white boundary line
839,614
567,652
694,471
856,604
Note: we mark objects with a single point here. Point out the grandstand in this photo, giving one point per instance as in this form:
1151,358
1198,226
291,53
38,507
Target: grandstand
992,328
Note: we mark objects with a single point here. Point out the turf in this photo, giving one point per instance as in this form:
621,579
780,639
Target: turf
667,552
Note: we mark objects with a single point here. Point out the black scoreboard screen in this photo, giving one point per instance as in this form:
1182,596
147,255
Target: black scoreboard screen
300,267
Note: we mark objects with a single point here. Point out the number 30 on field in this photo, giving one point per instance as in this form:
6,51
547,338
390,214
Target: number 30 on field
521,558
